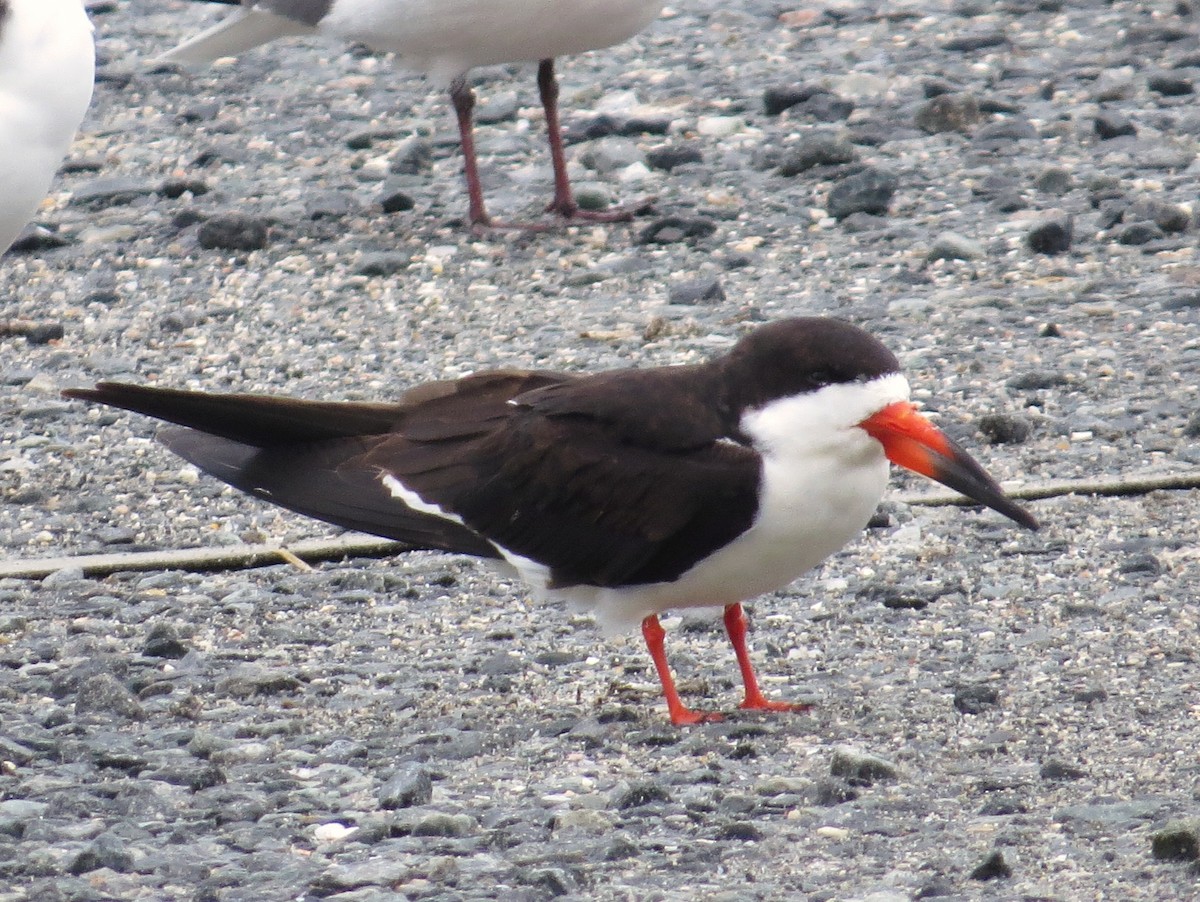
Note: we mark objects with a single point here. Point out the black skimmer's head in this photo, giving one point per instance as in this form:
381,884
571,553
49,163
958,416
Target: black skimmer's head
445,40
47,63
629,492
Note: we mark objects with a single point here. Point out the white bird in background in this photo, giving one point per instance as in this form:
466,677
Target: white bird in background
445,39
47,68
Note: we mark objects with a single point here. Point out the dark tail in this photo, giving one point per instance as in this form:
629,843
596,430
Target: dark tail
257,420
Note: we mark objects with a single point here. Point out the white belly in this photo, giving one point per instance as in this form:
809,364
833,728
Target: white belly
802,521
445,38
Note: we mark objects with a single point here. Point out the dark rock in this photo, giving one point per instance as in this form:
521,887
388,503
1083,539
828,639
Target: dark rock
1037,380
1177,841
179,321
672,229
103,693
815,150
44,333
204,111
174,188
621,848
935,889
948,113
35,238
1168,217
1060,770
776,100
1170,84
643,125
705,291
558,659
829,792
1003,805
395,199
1142,564
366,138
1111,125
898,600
1189,300
642,794
233,232
250,679
1052,235
163,642
1005,428
447,825
196,777
410,787
668,156
994,867
604,126
105,851
817,102
828,107
1138,233
739,830
979,41
976,699
552,882
868,191
1053,180
860,768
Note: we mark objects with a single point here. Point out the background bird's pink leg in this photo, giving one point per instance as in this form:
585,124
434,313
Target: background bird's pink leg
735,626
564,201
463,99
680,714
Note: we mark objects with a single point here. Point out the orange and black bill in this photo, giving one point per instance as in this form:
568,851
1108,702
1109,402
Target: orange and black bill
913,442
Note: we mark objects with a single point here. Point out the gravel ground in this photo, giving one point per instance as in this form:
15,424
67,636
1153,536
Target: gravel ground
1002,192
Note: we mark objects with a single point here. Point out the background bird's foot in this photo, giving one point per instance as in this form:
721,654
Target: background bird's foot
568,209
761,703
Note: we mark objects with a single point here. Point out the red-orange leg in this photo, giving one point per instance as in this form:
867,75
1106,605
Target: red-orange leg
680,714
735,626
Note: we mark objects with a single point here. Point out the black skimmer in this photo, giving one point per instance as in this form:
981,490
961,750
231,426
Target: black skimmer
627,492
47,66
445,39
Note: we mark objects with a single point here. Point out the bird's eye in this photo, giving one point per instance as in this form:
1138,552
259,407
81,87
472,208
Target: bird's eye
823,377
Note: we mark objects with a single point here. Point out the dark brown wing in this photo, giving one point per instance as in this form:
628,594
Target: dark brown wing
669,408
609,480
